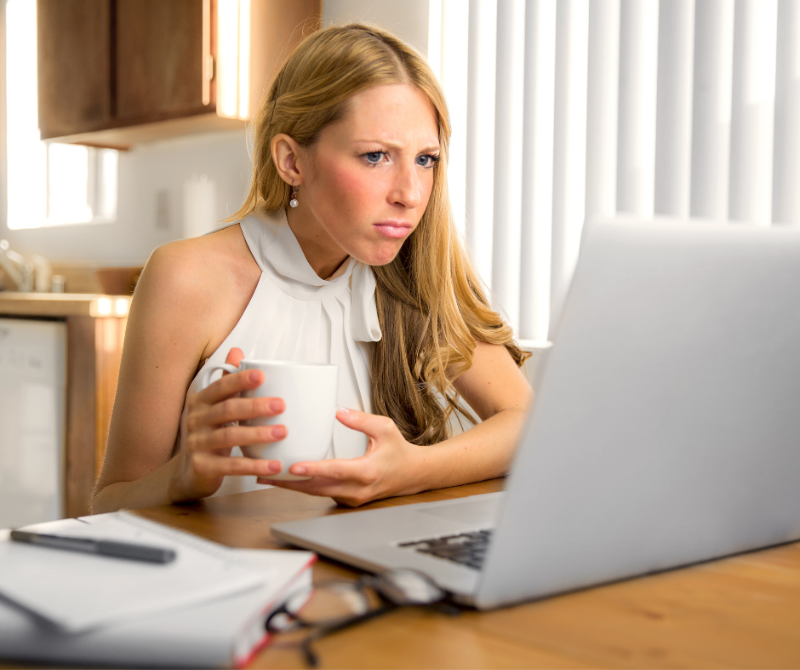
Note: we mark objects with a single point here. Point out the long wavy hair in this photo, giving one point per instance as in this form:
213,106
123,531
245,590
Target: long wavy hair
430,303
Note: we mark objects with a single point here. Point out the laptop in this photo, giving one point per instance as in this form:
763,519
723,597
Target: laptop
665,428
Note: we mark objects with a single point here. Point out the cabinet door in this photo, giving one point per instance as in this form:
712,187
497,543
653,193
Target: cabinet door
74,46
159,54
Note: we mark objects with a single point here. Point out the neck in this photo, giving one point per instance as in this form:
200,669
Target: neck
324,257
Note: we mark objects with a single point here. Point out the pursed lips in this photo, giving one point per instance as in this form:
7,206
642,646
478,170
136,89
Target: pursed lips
393,229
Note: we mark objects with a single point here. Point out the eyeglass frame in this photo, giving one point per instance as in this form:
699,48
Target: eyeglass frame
381,583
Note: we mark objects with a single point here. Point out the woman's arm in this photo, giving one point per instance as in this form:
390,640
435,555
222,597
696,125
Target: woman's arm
496,390
183,308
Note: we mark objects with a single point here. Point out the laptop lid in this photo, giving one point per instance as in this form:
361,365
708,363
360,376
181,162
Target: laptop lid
665,429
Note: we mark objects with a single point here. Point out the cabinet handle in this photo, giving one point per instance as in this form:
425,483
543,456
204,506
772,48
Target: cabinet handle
208,57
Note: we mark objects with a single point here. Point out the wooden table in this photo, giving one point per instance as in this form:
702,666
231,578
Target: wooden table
738,612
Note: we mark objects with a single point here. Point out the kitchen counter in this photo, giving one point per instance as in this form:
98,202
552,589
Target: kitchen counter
62,305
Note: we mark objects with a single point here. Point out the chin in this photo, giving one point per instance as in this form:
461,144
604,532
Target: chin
385,259
380,256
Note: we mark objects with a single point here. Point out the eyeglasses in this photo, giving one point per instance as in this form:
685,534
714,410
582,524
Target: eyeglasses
337,605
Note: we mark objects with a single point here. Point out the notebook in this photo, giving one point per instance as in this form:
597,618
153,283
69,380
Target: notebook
215,631
664,432
77,592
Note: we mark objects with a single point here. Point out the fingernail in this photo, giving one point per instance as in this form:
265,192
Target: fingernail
275,466
298,470
276,406
253,376
279,432
342,410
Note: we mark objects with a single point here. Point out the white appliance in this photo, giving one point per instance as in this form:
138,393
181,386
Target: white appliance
32,402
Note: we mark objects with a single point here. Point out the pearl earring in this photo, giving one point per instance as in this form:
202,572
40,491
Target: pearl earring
293,202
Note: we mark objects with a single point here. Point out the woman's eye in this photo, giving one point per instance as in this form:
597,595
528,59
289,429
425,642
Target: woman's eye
374,157
427,160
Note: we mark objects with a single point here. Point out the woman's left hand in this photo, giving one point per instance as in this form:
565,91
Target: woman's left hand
387,469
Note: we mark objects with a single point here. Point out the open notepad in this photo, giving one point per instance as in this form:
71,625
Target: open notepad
77,592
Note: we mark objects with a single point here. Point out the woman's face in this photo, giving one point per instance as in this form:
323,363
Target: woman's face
368,178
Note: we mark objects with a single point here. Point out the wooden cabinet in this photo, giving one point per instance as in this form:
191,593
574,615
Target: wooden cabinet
120,72
74,42
159,59
94,353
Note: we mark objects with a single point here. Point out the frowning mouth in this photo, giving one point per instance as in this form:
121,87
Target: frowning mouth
393,229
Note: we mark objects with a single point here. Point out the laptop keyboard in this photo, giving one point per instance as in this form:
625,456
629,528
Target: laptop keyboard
465,548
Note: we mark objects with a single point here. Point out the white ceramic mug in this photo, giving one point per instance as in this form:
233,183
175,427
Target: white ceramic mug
309,391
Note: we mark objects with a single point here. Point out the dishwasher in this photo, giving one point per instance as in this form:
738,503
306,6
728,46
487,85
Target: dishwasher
32,405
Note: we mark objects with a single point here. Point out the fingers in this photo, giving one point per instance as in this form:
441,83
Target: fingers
332,471
209,466
349,481
234,409
234,357
379,427
229,385
233,436
211,430
358,470
353,481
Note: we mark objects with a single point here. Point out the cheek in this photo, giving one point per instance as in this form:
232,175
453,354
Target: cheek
350,189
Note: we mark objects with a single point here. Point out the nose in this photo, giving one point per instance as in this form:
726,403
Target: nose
406,187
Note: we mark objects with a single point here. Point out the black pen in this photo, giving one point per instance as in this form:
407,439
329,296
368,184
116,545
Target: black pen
128,550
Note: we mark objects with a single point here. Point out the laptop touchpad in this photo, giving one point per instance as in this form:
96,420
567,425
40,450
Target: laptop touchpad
482,511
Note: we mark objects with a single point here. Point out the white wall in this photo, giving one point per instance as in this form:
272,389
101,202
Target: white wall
408,19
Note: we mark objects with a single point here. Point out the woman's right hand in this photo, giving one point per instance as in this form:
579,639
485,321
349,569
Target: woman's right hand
210,435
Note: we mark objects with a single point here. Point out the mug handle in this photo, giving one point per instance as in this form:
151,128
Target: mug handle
206,379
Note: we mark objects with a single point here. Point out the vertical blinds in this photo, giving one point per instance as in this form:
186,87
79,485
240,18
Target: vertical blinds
568,109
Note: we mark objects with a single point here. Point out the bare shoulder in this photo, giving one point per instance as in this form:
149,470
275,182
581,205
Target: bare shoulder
202,283
201,265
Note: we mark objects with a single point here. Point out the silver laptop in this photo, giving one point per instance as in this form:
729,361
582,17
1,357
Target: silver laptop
665,429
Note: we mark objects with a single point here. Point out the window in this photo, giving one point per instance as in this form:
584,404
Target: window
49,184
566,110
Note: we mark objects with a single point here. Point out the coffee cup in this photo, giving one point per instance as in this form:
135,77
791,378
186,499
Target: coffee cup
309,391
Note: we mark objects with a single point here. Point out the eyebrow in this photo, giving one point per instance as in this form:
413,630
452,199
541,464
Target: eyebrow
395,145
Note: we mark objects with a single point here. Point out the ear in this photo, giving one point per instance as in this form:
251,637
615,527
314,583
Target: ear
286,154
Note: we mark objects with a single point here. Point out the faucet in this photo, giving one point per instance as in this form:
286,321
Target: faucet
21,270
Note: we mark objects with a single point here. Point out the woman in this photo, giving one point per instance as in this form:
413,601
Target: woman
364,269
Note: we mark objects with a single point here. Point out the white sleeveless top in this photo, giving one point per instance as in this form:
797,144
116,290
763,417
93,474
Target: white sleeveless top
296,316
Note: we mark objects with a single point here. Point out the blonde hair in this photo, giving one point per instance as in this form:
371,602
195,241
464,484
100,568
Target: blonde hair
430,303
